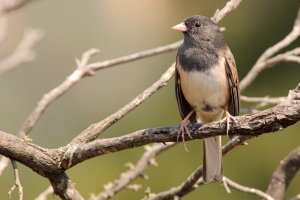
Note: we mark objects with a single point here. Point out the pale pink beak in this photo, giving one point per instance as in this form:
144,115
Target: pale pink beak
180,27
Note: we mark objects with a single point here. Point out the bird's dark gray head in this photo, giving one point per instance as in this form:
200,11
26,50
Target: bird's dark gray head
200,29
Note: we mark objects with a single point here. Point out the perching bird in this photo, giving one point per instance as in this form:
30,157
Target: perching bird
206,85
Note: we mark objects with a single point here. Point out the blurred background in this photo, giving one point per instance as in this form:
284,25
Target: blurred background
119,28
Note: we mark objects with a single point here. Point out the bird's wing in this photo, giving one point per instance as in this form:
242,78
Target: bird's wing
183,106
233,82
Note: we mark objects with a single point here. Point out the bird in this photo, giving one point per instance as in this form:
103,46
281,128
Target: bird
206,86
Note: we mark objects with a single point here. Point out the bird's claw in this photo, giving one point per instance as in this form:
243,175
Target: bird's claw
228,118
181,133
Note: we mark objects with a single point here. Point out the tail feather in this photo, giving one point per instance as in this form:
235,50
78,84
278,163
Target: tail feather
212,160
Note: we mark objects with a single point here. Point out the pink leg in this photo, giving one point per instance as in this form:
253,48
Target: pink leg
228,118
183,129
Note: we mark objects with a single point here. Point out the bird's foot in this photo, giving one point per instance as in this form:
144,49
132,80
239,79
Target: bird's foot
181,132
228,118
183,129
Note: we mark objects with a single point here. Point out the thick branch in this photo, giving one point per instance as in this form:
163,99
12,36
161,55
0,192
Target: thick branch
45,161
284,174
37,158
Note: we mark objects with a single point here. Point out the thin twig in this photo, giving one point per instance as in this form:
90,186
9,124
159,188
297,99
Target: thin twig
133,173
17,183
23,52
135,56
45,194
245,189
268,100
259,66
261,102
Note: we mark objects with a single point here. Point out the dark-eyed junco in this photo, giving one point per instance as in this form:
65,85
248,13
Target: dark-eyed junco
206,85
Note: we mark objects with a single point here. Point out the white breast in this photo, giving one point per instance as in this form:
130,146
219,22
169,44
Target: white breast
208,88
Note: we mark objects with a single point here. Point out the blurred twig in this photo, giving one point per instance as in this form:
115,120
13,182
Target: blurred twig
23,52
17,183
46,162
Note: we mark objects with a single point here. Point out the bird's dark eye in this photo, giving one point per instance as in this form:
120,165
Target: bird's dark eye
197,24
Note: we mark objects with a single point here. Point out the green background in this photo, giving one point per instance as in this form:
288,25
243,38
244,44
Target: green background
122,27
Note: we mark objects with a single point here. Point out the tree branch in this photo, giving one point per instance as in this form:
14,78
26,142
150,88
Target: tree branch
284,174
269,120
47,162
